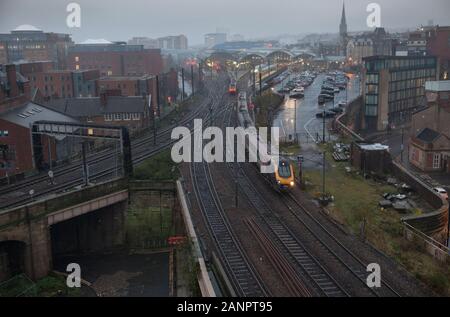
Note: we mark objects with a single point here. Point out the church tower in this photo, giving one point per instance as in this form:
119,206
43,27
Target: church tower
343,35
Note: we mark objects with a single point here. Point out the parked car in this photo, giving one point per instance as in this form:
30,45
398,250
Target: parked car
337,110
328,114
441,192
342,103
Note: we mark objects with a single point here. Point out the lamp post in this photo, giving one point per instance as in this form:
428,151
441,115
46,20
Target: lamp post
295,119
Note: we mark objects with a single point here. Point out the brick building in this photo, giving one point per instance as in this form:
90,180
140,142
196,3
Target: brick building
144,85
116,59
47,82
129,86
438,44
16,115
31,44
16,139
109,108
429,147
14,88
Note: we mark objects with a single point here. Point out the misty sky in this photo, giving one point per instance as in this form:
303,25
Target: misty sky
123,19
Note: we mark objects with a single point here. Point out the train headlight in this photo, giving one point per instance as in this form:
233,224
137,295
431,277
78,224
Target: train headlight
292,184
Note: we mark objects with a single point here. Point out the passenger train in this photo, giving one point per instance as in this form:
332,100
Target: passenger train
232,89
284,176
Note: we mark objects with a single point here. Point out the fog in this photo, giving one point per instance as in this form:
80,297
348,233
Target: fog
121,20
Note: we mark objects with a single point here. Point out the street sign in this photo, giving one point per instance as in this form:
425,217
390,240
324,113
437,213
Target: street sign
50,174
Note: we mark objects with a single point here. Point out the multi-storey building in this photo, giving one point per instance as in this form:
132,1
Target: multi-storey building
31,44
116,59
393,88
213,39
178,42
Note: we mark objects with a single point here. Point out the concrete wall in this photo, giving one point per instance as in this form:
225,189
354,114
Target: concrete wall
31,224
433,224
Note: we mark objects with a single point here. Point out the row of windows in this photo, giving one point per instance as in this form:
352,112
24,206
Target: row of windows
406,93
402,105
46,78
408,84
52,88
122,116
394,63
412,74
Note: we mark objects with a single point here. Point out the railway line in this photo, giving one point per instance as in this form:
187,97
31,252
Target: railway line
245,280
102,165
310,266
331,244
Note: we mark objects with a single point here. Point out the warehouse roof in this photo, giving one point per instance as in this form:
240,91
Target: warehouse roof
89,107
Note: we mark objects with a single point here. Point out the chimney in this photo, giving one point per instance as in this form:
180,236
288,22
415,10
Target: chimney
103,98
12,80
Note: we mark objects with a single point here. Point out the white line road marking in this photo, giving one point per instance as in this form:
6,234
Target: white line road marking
306,128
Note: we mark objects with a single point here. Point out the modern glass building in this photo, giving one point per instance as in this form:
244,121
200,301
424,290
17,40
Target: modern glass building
393,88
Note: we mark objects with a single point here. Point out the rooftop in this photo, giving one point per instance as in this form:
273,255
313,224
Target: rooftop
26,27
31,112
90,107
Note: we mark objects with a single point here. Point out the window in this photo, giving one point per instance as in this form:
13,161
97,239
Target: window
4,133
108,117
437,161
77,58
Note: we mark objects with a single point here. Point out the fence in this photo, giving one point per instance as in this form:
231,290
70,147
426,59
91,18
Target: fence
433,247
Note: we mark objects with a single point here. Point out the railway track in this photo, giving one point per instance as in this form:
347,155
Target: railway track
244,278
141,150
307,266
329,243
245,281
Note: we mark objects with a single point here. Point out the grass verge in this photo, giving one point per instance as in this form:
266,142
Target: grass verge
356,202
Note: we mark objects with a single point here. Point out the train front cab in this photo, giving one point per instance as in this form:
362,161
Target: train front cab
284,175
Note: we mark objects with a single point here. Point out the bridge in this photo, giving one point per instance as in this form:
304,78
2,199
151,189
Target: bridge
86,220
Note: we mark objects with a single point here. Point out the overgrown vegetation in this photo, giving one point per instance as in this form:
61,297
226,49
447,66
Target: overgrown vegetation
160,167
49,286
356,203
148,227
266,106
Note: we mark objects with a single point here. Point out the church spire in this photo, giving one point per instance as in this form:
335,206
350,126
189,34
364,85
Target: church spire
343,25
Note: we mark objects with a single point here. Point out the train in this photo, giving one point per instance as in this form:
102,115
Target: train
232,89
283,178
